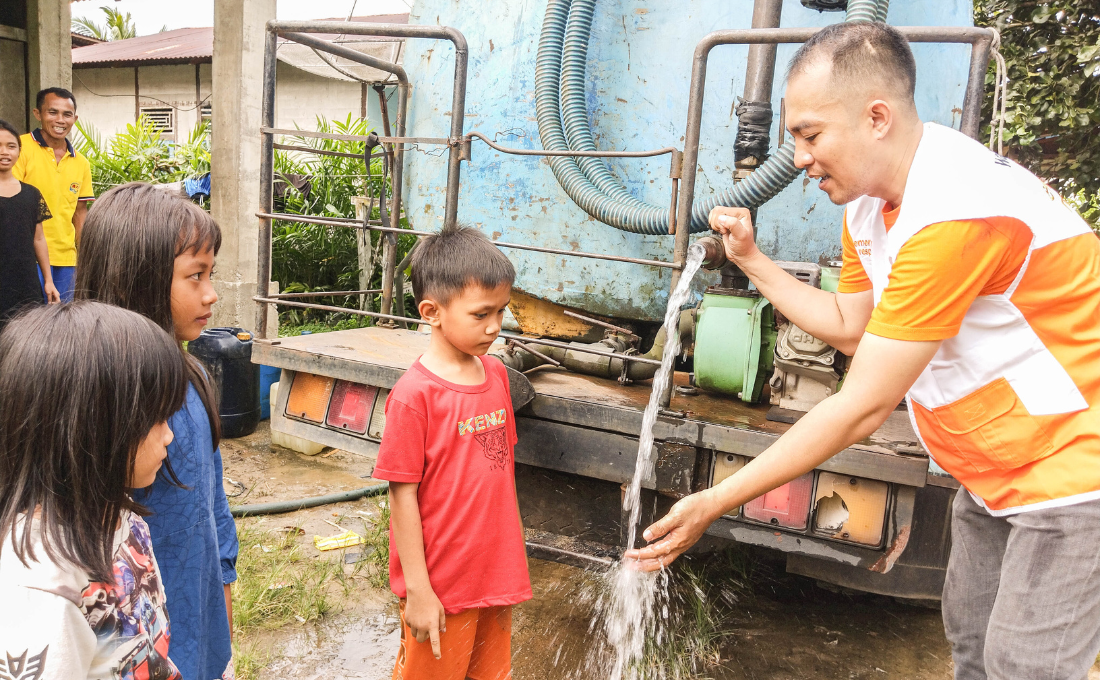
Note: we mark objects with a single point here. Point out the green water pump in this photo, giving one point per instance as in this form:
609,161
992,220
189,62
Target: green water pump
734,342
736,333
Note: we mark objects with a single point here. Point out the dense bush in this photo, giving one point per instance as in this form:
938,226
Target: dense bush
1052,121
305,257
140,154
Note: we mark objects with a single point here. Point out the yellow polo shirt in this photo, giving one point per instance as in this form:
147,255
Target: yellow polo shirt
63,185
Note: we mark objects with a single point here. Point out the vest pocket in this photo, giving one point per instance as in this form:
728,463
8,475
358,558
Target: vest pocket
991,429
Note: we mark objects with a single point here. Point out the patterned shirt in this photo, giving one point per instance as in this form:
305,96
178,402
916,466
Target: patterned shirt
69,626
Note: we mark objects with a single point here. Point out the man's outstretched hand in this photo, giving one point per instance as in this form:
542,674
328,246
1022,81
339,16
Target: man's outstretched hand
734,225
684,524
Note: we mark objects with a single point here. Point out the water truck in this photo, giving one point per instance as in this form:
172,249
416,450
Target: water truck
590,140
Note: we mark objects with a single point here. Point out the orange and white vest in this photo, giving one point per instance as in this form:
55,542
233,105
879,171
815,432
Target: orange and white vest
1011,405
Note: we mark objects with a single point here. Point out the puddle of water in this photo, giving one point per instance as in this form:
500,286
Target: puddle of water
348,647
633,605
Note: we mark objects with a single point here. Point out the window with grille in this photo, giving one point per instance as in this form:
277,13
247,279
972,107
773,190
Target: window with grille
206,112
162,117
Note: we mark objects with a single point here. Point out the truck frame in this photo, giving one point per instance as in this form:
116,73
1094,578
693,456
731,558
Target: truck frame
579,433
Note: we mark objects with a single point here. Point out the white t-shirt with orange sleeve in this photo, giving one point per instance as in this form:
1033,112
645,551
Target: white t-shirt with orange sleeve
937,274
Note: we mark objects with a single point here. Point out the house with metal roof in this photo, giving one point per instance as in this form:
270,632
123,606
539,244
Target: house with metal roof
167,77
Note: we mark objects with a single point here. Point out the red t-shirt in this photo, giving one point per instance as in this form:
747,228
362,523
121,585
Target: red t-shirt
456,442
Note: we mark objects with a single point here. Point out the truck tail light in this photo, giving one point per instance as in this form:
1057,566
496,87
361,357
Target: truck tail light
309,396
351,406
378,416
850,508
725,464
787,507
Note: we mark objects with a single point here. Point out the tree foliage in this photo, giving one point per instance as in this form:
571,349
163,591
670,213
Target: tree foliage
139,153
305,257
116,25
314,258
1052,118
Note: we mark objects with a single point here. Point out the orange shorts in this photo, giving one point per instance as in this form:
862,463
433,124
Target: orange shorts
477,644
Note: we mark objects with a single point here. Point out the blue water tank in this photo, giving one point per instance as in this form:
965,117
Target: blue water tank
637,79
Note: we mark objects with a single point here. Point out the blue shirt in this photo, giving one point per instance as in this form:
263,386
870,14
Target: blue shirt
195,542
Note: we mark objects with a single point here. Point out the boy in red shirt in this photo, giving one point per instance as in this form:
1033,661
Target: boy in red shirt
457,555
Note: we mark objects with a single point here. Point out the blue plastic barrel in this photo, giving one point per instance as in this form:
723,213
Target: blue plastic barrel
227,355
269,375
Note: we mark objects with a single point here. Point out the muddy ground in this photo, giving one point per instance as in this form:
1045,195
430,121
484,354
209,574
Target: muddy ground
779,627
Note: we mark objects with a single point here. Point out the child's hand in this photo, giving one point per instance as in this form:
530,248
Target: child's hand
425,617
52,296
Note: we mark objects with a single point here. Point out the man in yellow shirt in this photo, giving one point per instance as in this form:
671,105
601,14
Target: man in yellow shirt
50,164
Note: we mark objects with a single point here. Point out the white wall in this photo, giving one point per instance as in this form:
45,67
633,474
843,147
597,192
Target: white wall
300,97
174,86
105,97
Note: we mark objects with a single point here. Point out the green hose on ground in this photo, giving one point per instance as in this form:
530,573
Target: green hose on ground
277,507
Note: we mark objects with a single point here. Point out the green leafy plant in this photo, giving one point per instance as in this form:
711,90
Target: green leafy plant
1052,121
315,258
305,257
139,153
116,25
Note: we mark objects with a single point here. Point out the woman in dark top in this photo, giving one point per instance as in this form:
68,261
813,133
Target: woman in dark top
22,242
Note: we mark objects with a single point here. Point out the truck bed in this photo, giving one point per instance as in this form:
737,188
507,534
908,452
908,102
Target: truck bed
379,356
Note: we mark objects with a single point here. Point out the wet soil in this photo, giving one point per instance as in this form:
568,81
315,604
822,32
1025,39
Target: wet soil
781,626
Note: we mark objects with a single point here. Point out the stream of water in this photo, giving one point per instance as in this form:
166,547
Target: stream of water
635,602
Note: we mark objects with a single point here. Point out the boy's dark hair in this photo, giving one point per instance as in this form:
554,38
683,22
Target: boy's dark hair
445,263
862,51
128,248
61,92
73,411
8,127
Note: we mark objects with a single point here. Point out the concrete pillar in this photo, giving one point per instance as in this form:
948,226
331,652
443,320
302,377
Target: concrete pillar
49,48
235,153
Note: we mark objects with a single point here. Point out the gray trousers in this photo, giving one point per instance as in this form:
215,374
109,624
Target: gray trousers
1022,596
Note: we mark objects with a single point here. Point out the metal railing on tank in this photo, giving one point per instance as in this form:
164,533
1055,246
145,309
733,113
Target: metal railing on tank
682,171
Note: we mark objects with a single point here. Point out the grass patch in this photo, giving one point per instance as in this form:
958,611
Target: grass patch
288,330
248,659
277,584
702,592
377,546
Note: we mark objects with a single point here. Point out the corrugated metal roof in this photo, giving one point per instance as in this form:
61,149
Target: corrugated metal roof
80,40
182,45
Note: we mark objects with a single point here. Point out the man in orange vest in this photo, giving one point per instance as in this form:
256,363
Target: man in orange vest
972,290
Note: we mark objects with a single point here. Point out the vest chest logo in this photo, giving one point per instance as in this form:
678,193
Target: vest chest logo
974,412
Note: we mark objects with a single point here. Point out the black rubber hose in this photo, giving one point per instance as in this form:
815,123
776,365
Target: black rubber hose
754,121
303,503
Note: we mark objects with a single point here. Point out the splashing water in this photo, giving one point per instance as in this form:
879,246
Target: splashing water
636,601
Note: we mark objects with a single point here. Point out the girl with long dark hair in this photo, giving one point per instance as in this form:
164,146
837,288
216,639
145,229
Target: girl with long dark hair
148,251
22,240
82,422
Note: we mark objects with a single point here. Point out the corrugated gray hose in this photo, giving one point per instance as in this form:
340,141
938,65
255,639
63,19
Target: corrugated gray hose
563,125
